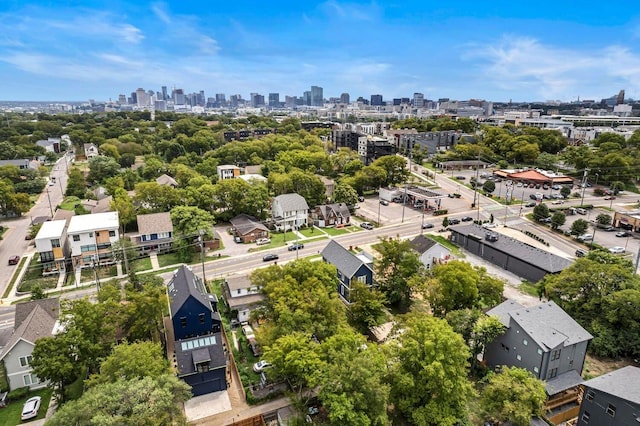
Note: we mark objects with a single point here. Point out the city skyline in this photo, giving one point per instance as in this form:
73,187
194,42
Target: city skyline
498,51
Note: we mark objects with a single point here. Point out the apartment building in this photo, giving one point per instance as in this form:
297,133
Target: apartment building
91,237
51,245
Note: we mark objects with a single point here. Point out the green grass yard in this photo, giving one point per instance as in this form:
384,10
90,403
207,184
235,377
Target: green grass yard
10,415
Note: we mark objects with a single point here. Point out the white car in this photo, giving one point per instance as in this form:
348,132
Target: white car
616,250
558,202
30,408
248,331
263,241
585,237
489,225
259,366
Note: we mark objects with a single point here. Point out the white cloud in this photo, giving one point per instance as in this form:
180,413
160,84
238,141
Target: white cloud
160,10
351,11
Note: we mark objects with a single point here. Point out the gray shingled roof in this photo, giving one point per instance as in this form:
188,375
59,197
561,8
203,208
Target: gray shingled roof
344,261
340,209
238,283
421,244
623,383
166,180
50,305
546,323
502,310
542,259
292,202
186,358
39,322
154,223
245,224
183,284
562,382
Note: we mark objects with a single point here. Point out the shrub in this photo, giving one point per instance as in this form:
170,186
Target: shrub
19,393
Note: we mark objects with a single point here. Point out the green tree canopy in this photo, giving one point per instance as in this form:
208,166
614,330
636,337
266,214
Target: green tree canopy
397,265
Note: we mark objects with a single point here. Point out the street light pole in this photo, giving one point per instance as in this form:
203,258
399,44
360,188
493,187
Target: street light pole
202,233
49,198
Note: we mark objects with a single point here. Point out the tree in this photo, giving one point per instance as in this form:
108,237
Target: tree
565,191
147,305
37,293
123,204
579,227
513,395
76,185
146,401
296,358
557,220
395,168
54,361
345,193
367,305
453,286
428,377
398,263
484,331
603,219
541,212
489,186
445,222
189,221
101,168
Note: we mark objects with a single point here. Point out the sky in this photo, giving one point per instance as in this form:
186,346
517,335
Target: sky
497,50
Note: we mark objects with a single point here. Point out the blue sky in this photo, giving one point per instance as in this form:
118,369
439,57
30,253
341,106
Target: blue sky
76,50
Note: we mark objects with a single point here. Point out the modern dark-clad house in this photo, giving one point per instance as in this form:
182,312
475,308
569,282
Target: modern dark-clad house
200,354
515,256
611,399
350,267
545,340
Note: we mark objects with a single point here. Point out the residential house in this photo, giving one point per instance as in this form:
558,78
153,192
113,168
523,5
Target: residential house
253,177
520,258
248,228
546,341
611,399
91,236
331,215
329,186
431,252
349,266
166,180
227,171
51,245
200,353
50,144
33,320
90,150
155,233
21,164
289,211
101,205
242,296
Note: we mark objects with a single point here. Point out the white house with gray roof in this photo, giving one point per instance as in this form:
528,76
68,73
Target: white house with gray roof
543,339
611,399
242,296
349,266
431,252
289,211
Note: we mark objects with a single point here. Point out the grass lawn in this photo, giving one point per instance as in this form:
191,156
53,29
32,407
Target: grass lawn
528,288
174,259
10,415
69,203
455,250
14,277
340,231
141,264
33,277
102,272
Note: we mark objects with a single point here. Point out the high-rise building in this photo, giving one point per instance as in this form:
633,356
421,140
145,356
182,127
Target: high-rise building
122,99
290,101
164,93
178,96
274,100
142,98
317,99
344,98
306,98
376,100
257,100
220,100
397,101
418,100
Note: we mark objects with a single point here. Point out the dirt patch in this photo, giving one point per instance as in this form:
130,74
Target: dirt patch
595,366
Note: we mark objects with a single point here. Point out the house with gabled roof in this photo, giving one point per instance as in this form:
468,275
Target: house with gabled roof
331,215
167,180
349,267
200,355
90,150
289,211
611,399
430,251
546,341
242,296
33,320
248,228
155,233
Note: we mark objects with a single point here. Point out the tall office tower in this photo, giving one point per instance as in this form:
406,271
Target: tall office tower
257,100
344,98
306,98
178,96
234,100
142,98
274,100
362,100
290,101
418,100
122,99
405,101
317,99
397,101
201,98
220,100
376,100
620,98
164,93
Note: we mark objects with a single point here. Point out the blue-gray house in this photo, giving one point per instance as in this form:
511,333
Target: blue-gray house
200,354
350,267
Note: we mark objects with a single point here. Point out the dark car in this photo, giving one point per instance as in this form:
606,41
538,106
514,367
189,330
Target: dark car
295,246
533,196
623,234
454,221
361,198
13,260
269,257
465,219
610,228
427,226
384,202
460,177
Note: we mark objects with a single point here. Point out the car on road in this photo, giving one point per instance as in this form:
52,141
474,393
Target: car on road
263,241
384,202
610,228
616,250
366,225
585,237
610,197
259,366
13,260
51,183
557,202
530,204
30,408
489,225
427,225
454,221
460,177
295,246
623,234
269,257
581,253
466,219
360,198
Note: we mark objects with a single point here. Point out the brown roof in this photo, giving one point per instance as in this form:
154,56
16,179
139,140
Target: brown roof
154,223
245,224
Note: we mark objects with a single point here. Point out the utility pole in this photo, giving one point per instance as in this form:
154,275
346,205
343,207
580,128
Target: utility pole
404,198
49,198
201,238
584,185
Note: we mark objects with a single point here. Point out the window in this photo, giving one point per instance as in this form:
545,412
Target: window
90,247
555,355
525,342
76,238
539,351
201,318
362,278
55,242
586,416
25,360
46,256
112,233
590,394
97,234
183,322
552,373
536,370
27,379
90,234
611,410
518,357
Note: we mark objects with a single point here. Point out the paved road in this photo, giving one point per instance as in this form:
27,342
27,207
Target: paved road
13,242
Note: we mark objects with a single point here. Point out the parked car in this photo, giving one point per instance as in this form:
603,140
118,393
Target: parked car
610,228
30,408
248,331
263,241
610,197
454,221
533,196
427,225
489,225
581,211
397,199
581,253
616,250
557,202
360,198
295,246
237,239
384,202
623,234
531,204
13,260
366,225
585,237
259,366
269,257
466,219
